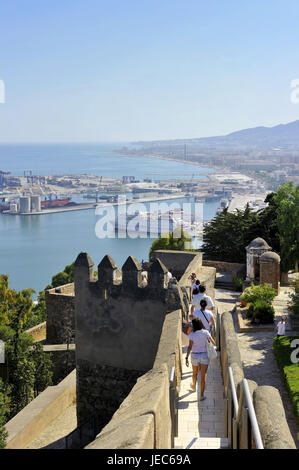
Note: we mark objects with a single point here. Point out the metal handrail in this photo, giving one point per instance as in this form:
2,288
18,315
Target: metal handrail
254,424
234,393
234,417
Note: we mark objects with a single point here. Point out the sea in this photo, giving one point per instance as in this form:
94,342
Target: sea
34,248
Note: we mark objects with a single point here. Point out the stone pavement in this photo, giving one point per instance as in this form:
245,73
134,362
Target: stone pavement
201,423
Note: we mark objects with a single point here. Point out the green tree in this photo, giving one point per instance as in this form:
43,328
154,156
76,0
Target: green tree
179,240
43,369
287,200
4,410
227,235
39,313
12,301
64,277
21,367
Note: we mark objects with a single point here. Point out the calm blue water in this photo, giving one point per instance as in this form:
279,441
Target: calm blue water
97,159
33,248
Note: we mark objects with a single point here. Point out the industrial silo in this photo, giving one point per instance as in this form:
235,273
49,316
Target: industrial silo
13,208
35,204
25,204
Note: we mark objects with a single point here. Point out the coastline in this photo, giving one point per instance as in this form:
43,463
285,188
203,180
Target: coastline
162,157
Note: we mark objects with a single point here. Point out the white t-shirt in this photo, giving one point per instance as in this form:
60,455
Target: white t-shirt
199,339
198,297
207,314
281,328
169,276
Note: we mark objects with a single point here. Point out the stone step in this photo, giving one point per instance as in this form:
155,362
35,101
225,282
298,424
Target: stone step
225,285
201,443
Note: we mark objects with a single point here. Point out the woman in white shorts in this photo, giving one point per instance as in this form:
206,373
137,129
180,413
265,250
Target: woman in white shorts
199,357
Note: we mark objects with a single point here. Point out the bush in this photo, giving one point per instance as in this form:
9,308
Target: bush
238,284
293,305
282,350
261,292
263,312
250,311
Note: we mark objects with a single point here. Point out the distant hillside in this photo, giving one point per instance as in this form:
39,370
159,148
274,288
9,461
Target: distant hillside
283,135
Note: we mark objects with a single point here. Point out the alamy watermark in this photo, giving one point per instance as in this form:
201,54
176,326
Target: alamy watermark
136,220
295,92
2,92
295,353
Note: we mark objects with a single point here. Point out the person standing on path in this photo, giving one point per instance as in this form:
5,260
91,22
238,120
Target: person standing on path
199,357
281,327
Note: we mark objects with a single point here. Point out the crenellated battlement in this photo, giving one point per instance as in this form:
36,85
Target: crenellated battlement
116,282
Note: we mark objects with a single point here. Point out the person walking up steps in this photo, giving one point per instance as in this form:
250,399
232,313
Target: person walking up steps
199,357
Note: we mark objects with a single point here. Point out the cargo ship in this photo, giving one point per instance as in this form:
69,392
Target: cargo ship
49,203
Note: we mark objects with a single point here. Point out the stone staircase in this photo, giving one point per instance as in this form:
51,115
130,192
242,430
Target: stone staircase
224,281
201,423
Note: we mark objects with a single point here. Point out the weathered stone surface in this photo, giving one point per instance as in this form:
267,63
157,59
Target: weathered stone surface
134,433
101,389
36,416
150,396
270,270
178,261
230,354
170,345
63,360
60,306
271,419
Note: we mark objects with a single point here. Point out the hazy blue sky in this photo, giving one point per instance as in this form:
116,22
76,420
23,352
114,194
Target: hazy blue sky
95,70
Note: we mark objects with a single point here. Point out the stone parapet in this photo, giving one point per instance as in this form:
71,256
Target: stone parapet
143,420
271,417
42,411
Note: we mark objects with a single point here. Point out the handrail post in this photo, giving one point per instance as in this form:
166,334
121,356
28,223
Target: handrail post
232,412
253,421
173,405
218,330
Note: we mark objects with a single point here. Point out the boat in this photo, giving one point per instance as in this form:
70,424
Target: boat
48,203
154,224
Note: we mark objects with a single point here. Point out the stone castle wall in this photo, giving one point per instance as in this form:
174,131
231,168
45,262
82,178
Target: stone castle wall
144,419
60,305
118,328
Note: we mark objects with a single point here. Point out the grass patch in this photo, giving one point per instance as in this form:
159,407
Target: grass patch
290,371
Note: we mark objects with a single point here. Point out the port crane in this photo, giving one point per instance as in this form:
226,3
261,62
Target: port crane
2,177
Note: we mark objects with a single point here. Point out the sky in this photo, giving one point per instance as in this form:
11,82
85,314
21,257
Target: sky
127,70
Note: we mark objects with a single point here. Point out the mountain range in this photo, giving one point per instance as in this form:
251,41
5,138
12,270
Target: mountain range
282,135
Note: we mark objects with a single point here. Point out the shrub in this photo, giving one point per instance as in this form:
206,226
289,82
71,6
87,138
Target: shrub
282,350
293,305
250,311
263,312
261,292
238,282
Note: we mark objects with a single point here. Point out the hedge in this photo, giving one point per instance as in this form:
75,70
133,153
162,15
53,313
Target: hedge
290,371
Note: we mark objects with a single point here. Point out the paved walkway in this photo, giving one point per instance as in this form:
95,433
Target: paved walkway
201,423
